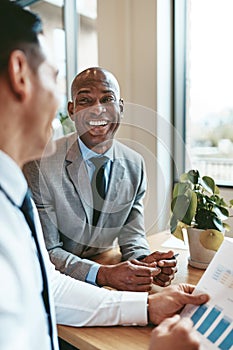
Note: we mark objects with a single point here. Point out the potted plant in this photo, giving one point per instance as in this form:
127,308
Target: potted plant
67,124
197,207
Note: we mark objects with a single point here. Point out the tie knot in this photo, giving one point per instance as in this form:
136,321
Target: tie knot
99,161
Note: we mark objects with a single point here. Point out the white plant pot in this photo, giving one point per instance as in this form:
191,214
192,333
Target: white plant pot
200,257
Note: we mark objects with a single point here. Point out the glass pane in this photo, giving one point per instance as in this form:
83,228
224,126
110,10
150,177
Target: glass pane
209,106
51,13
87,39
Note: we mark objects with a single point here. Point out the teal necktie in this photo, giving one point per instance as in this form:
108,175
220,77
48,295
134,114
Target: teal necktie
98,185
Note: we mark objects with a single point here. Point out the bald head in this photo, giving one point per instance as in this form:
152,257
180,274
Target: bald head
94,75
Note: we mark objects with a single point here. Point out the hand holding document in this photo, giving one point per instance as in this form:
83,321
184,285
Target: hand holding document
214,320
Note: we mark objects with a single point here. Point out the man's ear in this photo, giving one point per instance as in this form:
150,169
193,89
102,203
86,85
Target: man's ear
19,74
70,108
121,104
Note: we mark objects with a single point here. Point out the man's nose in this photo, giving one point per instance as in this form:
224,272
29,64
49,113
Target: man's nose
98,109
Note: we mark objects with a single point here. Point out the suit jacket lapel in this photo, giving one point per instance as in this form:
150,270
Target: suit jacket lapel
117,173
77,171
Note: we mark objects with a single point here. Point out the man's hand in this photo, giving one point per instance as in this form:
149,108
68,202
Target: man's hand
175,333
167,265
129,275
171,300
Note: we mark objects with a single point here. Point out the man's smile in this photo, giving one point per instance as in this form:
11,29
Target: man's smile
98,122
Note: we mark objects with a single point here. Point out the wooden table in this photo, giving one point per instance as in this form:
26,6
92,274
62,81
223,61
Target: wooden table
126,338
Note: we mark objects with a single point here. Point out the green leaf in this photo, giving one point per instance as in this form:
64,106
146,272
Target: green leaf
193,176
218,224
226,227
184,207
173,224
184,177
216,200
208,184
216,190
205,219
221,212
178,233
180,188
63,117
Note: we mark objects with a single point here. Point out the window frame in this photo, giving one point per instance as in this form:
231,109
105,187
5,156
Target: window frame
71,24
179,86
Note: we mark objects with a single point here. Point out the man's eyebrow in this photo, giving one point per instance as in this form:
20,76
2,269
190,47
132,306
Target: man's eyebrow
86,91
83,91
108,91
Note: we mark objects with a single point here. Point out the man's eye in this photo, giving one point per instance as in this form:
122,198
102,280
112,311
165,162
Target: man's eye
84,101
108,99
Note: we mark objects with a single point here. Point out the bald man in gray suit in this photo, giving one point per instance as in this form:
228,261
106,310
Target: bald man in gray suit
77,227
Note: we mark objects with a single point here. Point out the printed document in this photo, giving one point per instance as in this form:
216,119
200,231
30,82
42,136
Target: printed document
214,320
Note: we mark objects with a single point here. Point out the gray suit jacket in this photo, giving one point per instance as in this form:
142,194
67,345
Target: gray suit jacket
63,196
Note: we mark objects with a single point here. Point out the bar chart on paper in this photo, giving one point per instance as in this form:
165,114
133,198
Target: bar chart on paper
214,325
214,320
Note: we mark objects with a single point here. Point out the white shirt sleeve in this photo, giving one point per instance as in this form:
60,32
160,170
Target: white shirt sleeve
81,304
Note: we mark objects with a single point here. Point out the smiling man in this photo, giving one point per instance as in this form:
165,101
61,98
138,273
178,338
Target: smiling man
82,210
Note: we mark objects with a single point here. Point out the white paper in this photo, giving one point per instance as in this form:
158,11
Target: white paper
175,243
214,320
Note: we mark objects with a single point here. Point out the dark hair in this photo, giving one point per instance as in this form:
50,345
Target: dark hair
18,27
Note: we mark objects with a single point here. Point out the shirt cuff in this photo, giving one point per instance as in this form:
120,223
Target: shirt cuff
141,257
134,308
92,274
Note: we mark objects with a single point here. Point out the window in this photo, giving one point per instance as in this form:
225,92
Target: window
88,40
207,85
51,13
70,28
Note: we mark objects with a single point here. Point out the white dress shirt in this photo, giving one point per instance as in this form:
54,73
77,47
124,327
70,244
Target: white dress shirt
23,324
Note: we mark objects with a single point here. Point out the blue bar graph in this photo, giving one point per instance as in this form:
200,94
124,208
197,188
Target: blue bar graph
199,313
219,329
214,313
227,343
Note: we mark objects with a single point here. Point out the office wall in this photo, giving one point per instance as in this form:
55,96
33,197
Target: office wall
127,46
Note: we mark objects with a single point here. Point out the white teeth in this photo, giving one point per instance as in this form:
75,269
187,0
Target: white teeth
97,122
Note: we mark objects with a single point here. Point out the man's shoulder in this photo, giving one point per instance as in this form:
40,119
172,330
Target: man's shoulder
65,142
48,163
63,145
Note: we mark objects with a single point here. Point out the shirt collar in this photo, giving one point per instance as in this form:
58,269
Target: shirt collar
87,153
12,179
